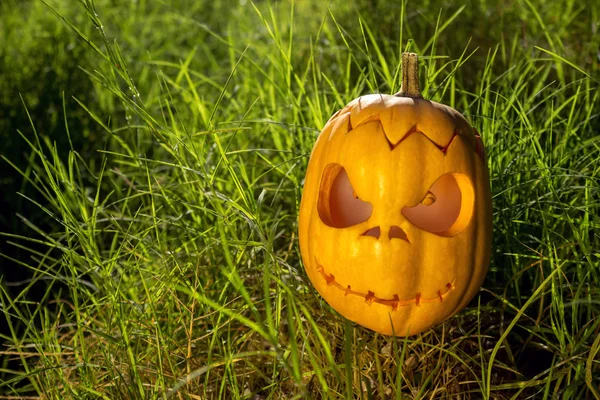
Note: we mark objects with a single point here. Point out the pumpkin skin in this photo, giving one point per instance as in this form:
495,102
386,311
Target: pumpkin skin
411,247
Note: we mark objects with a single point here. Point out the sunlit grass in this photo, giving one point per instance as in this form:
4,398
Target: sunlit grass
173,270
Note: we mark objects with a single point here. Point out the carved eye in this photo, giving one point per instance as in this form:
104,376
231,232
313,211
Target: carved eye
339,206
447,207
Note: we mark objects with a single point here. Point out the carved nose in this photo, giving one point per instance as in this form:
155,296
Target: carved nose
395,233
375,232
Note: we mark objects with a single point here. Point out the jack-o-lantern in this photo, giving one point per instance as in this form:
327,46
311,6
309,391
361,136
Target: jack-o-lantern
395,218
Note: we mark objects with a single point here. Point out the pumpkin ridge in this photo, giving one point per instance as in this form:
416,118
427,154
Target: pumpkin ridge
394,303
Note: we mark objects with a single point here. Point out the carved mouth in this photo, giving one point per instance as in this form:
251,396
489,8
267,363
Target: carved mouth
395,302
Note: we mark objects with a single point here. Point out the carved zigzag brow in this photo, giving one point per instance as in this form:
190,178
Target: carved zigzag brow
412,130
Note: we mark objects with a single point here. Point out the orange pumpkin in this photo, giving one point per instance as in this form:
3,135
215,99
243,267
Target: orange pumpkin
395,218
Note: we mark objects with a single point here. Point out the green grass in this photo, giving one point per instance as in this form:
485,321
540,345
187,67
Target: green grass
167,264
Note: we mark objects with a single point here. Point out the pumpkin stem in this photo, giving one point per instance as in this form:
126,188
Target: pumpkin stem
410,77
